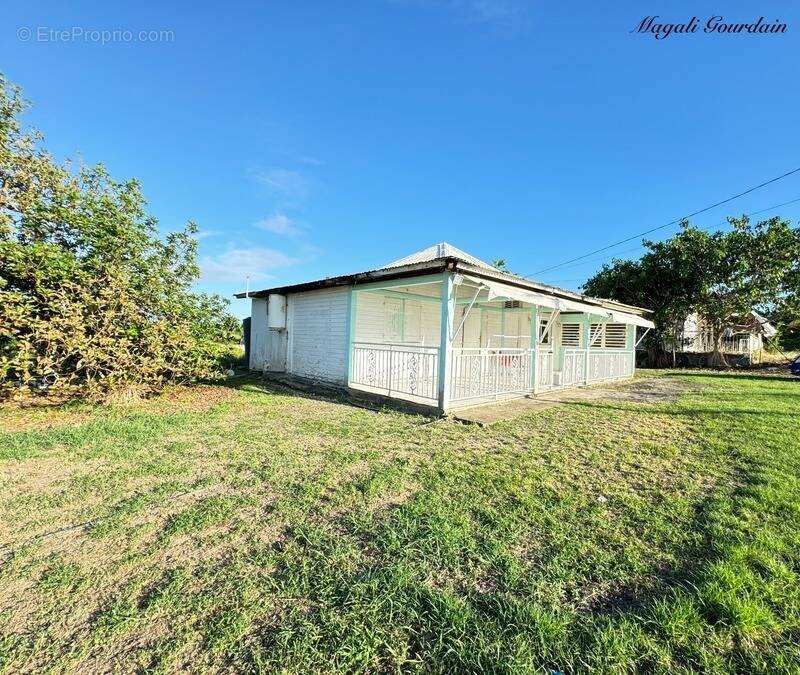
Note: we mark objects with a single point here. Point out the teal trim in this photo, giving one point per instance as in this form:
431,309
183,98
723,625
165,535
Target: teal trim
587,333
496,308
352,303
402,296
448,300
396,283
534,310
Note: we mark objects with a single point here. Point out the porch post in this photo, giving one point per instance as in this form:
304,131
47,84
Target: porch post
587,336
351,333
535,338
630,343
445,331
534,348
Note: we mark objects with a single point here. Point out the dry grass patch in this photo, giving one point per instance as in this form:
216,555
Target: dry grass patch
275,532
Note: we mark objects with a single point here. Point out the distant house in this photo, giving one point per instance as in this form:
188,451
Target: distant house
744,341
443,329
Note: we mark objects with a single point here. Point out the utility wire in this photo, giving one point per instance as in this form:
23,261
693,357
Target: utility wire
636,248
672,222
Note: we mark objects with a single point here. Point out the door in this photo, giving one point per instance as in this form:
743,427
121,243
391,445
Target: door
544,361
276,350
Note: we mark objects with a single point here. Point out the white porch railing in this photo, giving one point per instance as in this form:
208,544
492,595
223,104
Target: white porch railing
573,367
484,372
608,364
703,342
393,369
411,372
544,369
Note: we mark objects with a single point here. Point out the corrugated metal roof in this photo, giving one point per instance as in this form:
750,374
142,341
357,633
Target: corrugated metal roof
766,327
438,252
435,257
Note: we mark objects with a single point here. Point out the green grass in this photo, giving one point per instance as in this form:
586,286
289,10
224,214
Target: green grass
268,532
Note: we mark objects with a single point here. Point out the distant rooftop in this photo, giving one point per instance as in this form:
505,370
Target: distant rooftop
438,252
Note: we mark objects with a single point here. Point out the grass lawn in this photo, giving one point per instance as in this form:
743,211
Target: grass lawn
253,529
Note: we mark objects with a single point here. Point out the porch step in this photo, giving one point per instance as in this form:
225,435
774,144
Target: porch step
491,413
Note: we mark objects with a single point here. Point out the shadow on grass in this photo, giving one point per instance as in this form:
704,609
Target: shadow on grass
315,391
677,413
441,632
766,376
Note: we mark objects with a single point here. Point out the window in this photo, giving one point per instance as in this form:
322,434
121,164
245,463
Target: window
596,335
616,336
392,320
412,322
544,339
609,335
570,335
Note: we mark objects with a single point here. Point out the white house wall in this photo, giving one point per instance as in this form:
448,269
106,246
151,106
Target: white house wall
369,317
491,326
258,333
318,334
391,319
431,319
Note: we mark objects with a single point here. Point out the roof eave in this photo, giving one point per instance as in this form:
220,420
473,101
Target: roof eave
520,282
440,264
384,274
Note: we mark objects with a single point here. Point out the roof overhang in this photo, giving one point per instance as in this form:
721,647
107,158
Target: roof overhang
498,289
386,274
597,306
519,282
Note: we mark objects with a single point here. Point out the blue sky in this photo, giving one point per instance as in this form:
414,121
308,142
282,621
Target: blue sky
308,139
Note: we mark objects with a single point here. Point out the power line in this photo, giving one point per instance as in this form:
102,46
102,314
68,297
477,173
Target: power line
567,265
672,222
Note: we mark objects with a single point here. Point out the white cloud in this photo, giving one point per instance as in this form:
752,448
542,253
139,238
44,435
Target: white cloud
203,234
308,159
279,224
286,182
236,264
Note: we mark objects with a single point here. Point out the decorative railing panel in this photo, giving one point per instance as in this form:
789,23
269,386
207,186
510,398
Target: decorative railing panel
396,369
544,369
610,364
573,369
480,373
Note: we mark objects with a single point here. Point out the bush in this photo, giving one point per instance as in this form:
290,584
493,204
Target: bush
91,298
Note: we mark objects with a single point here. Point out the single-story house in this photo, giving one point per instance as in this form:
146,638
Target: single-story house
442,329
743,340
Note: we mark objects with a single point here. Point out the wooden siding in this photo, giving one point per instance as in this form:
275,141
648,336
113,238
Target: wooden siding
318,334
394,320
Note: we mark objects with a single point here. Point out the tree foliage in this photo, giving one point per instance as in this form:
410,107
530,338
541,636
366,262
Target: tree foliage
722,275
500,265
90,295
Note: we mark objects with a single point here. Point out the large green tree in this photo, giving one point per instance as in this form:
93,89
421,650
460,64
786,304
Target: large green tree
752,266
91,296
721,275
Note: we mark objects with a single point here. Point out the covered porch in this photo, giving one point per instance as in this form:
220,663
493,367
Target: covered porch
452,340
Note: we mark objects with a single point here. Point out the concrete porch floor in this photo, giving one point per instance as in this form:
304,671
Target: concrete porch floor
641,390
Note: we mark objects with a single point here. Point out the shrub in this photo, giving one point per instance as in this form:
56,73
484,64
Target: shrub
91,297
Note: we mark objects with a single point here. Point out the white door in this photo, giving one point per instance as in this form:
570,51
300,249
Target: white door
276,351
